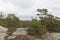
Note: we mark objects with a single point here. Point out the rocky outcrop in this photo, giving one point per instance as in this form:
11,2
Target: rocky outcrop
20,31
3,32
21,34
9,32
48,36
26,37
13,34
56,36
51,36
2,36
3,29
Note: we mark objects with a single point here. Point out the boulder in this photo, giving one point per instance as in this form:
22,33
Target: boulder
3,32
48,36
2,36
3,29
56,36
20,31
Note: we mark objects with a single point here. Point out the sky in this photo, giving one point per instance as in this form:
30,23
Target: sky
25,9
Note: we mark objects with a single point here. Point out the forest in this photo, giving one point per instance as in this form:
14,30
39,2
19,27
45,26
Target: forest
46,23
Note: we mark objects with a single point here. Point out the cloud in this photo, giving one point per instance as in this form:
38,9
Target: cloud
7,7
23,3
27,8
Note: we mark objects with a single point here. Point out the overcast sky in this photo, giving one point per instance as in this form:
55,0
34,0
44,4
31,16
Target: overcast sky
25,9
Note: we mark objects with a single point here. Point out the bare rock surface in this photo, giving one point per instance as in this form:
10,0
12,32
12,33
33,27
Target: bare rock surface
21,34
56,36
2,35
3,32
3,29
48,36
20,31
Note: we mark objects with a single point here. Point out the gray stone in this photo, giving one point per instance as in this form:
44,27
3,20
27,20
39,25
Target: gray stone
48,36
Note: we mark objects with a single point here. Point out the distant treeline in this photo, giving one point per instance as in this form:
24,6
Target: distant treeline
47,23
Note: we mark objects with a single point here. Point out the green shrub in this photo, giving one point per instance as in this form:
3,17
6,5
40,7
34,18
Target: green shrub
36,29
